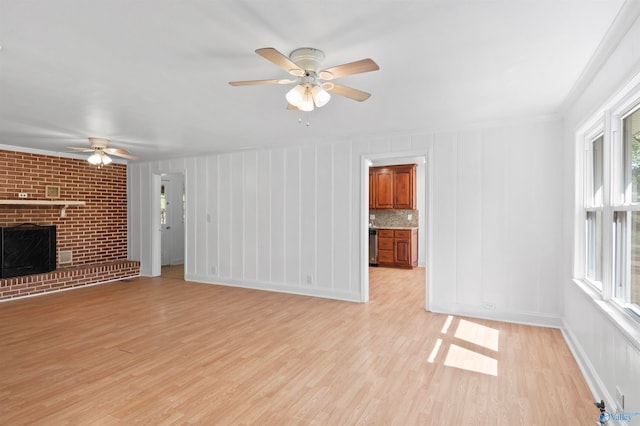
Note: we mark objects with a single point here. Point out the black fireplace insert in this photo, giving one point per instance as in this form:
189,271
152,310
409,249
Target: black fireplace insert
27,249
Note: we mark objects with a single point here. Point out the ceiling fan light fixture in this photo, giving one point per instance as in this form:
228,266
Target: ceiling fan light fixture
99,159
94,159
320,96
306,104
296,95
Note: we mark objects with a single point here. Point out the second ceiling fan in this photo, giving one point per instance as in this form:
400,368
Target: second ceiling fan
314,83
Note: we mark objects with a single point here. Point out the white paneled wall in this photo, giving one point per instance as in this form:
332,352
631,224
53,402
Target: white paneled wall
497,222
272,219
291,219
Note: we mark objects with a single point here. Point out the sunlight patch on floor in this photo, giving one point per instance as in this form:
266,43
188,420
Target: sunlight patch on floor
447,324
464,358
478,334
469,360
434,352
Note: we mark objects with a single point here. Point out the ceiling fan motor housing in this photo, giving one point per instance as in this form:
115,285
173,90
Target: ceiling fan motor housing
307,58
98,143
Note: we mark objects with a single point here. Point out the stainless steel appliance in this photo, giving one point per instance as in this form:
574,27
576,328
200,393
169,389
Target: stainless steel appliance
373,247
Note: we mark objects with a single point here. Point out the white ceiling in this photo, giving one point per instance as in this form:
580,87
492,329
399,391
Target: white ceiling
151,75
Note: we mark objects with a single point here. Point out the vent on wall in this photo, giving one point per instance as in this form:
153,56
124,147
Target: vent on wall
65,256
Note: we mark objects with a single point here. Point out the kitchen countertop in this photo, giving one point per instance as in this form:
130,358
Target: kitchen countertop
393,227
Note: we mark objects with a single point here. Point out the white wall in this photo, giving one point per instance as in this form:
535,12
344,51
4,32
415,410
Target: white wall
497,222
270,219
607,355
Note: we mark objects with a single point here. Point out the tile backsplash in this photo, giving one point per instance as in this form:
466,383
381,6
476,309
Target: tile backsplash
393,218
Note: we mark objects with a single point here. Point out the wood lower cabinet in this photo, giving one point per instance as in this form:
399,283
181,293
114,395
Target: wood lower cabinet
398,248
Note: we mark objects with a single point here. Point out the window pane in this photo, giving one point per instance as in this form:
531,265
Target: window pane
594,246
620,237
596,179
632,294
631,136
627,257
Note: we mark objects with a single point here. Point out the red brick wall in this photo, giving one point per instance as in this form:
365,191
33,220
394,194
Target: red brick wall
96,232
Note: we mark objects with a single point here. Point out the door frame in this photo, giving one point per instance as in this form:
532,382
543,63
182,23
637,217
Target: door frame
366,161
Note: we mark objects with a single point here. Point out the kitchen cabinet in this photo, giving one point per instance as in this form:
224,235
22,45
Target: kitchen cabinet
382,178
404,187
398,248
392,187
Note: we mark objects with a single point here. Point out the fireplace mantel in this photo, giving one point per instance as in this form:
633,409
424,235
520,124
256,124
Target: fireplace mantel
63,204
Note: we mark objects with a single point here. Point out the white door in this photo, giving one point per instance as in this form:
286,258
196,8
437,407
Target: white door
172,217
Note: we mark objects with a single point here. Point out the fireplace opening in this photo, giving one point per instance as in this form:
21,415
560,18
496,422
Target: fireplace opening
27,249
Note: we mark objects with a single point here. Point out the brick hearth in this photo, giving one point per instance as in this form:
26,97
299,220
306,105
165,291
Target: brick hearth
65,278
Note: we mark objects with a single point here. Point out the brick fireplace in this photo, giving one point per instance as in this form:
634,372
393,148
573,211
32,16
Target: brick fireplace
91,238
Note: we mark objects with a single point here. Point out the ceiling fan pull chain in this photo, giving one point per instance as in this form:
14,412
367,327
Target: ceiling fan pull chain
306,119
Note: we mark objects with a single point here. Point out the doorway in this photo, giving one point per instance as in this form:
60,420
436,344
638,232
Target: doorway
172,223
423,206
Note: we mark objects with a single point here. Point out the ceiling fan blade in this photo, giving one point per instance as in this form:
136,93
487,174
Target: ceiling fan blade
250,82
271,54
291,107
357,67
120,153
115,151
75,148
348,92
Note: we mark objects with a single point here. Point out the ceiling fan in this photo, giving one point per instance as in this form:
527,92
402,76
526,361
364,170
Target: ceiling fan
313,86
100,148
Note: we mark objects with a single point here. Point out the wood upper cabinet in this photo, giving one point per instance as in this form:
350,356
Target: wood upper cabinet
392,187
372,190
398,248
383,185
404,187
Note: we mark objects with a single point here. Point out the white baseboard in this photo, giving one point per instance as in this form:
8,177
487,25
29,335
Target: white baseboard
536,319
279,288
597,387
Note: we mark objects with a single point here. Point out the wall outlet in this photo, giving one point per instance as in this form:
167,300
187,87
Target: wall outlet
619,398
22,195
409,216
309,279
489,305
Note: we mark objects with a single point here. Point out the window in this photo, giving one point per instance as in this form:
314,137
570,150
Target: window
610,194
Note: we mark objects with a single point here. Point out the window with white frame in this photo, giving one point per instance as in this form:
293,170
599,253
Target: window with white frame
611,207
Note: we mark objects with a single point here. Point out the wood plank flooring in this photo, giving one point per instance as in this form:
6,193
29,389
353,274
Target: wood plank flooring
168,352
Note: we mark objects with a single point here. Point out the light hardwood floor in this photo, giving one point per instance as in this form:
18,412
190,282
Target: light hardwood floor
164,351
